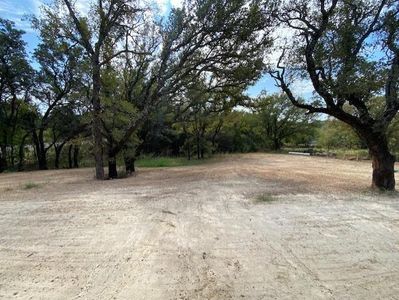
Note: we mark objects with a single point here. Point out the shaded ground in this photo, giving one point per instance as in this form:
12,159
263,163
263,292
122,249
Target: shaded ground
198,232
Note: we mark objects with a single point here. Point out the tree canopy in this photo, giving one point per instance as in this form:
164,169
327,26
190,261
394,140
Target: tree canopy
119,80
348,50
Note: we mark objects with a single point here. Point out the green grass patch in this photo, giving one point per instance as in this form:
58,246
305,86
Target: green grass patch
265,198
31,185
162,162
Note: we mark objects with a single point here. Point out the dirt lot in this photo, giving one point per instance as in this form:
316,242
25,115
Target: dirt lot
199,233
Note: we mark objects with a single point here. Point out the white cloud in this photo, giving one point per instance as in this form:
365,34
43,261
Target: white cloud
36,4
83,7
281,36
18,12
302,88
165,5
162,5
176,3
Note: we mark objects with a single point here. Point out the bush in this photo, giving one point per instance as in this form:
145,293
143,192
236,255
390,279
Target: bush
265,198
31,185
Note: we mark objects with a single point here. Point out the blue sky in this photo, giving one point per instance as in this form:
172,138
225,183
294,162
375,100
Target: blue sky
18,10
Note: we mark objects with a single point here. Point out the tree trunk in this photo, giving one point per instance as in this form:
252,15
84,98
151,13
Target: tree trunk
42,160
112,170
383,165
58,150
40,151
198,147
76,156
189,151
12,158
96,128
3,158
3,150
276,144
202,138
130,165
41,156
21,153
70,156
57,158
215,134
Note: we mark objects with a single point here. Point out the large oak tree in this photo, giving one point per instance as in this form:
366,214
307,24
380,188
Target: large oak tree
349,51
223,39
103,27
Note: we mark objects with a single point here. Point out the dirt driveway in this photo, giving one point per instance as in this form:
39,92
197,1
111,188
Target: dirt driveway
199,233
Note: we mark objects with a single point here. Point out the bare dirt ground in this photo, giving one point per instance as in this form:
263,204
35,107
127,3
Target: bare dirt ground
198,233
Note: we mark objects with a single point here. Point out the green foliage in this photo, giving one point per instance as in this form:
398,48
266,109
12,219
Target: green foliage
265,198
15,70
241,132
334,135
281,121
344,49
118,109
176,87
31,185
159,162
15,79
393,135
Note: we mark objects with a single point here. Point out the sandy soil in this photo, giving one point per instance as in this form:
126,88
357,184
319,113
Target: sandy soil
199,233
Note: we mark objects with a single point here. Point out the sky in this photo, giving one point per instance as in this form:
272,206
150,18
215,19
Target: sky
19,10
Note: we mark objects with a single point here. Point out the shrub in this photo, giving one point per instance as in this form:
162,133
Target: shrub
31,185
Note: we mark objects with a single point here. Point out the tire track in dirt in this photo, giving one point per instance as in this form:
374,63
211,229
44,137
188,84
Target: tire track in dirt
197,233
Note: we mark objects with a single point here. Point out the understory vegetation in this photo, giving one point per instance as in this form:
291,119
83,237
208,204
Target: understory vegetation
165,145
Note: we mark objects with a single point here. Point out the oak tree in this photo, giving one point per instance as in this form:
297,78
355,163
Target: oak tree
349,51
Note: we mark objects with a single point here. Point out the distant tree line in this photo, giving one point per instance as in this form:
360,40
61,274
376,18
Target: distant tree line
122,80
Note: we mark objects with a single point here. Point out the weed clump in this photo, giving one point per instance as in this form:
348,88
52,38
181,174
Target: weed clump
31,185
265,198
